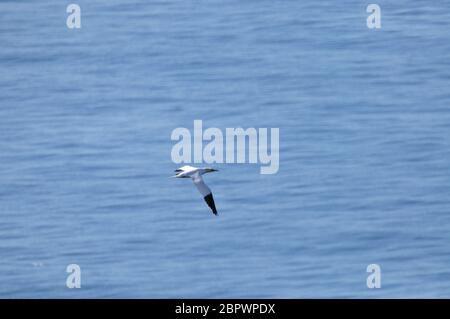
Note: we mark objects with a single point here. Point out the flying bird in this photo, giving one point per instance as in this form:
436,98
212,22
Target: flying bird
196,175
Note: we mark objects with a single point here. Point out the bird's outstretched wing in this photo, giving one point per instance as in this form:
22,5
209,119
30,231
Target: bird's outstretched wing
205,191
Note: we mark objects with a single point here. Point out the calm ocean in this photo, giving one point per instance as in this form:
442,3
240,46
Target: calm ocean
86,117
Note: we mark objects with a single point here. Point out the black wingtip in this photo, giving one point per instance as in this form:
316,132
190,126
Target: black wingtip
210,201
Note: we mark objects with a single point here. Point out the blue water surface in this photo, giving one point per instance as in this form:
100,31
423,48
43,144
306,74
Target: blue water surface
86,117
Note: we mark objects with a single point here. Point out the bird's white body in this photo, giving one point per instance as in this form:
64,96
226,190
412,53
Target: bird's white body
189,171
196,175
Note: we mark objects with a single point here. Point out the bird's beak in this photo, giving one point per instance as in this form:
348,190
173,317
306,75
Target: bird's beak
214,170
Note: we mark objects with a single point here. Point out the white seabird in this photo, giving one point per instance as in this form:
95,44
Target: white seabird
196,175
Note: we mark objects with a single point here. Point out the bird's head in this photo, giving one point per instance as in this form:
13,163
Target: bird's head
210,170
